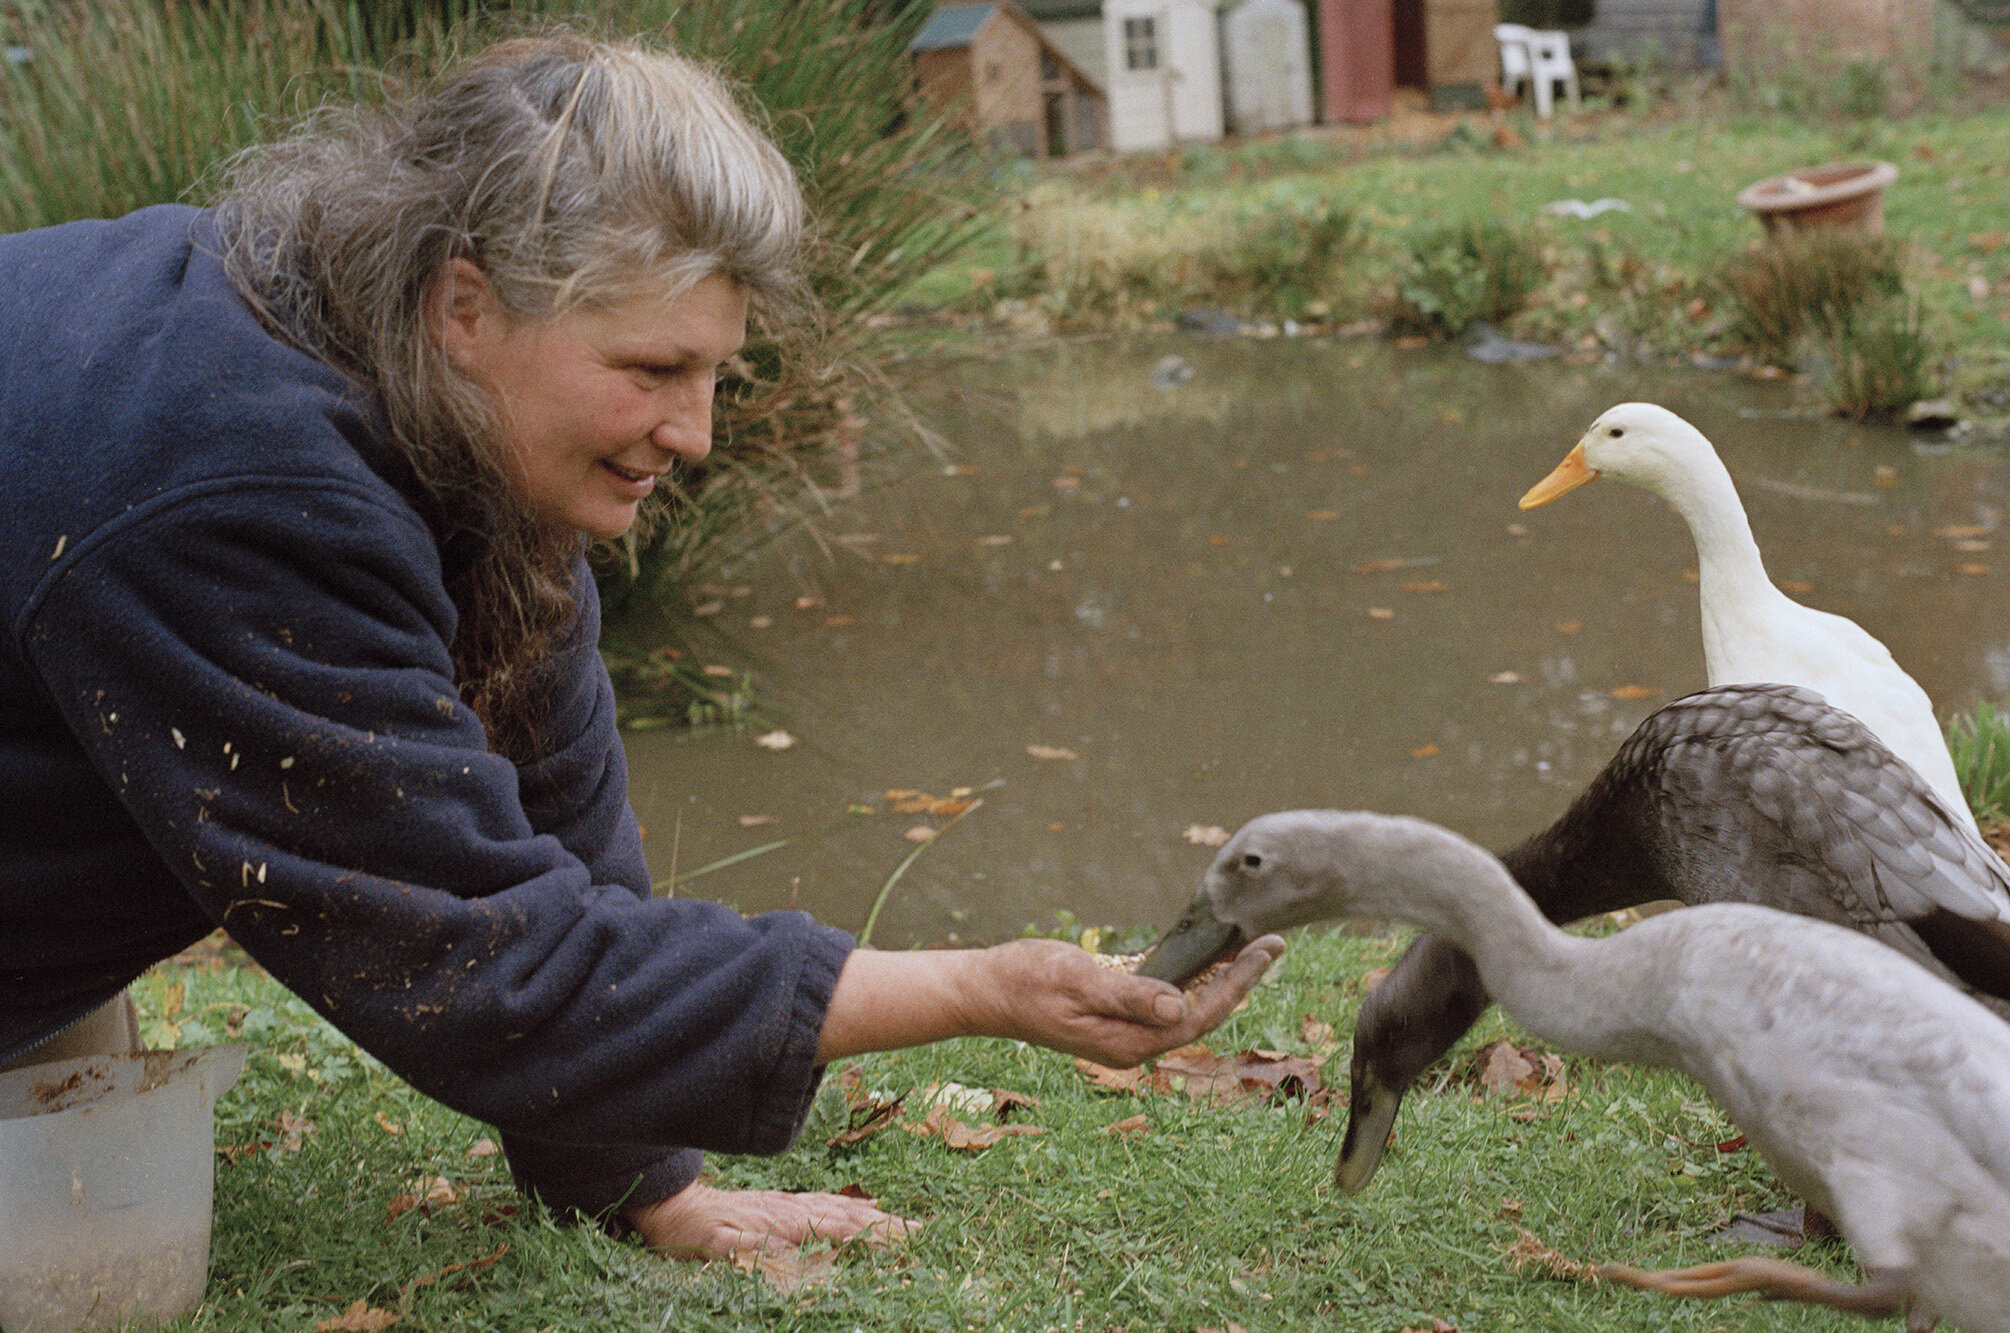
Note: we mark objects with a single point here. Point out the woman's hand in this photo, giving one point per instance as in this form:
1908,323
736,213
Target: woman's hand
700,1222
1040,991
1055,995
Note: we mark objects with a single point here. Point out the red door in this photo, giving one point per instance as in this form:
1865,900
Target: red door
1357,59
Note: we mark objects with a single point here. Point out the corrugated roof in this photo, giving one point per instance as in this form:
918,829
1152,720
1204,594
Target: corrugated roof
1063,9
951,26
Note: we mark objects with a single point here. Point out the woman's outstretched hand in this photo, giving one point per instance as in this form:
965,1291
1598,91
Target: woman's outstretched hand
1040,991
1055,995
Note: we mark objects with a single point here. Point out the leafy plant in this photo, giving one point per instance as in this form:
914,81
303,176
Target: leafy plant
1465,273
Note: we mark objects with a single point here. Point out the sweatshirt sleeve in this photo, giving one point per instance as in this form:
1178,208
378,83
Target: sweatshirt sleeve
259,669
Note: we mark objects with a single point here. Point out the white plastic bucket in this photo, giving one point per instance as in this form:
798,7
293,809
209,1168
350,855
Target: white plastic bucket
106,1180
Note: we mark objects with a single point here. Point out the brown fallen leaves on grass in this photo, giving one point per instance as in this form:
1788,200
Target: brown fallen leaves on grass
1528,1252
1220,1080
867,1113
1503,1069
362,1317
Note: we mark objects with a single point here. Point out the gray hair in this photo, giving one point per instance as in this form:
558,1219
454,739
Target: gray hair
573,172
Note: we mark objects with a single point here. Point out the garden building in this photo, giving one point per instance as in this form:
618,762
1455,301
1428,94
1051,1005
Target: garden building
1267,66
1163,59
1013,83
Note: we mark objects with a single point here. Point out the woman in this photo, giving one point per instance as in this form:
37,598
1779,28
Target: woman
303,645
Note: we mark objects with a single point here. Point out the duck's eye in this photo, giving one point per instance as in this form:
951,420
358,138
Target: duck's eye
1615,431
1252,860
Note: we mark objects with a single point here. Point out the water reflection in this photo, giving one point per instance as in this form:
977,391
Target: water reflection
1297,577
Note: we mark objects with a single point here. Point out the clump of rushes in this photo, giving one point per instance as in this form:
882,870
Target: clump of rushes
1879,361
1980,744
895,194
1798,283
1463,274
129,102
1836,296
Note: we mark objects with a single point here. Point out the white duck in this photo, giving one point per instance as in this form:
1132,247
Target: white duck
1751,630
1878,1092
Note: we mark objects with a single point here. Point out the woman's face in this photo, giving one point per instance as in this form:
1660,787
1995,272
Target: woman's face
598,403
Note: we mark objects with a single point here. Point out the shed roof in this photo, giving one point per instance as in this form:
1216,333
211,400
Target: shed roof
951,26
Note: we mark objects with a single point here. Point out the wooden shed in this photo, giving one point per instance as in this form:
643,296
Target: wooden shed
1369,48
1267,62
993,63
1164,79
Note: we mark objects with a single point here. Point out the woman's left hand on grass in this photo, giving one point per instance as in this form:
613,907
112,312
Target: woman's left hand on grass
702,1222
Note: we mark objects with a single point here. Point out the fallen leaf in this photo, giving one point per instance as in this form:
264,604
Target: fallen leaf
358,1318
1381,613
1205,835
775,740
1427,585
1049,752
1530,1252
1217,540
717,671
908,802
1318,1034
294,1130
484,1148
389,1126
1423,752
1504,1069
757,821
807,602
939,1123
900,558
1323,515
1635,692
1504,678
1004,1102
920,833
1566,627
1130,1127
1373,978
866,1113
1114,1080
999,540
789,1271
1797,586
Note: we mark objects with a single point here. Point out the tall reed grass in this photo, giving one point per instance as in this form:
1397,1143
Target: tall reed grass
1835,298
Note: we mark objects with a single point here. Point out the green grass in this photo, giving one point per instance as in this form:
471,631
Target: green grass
1213,1216
1980,744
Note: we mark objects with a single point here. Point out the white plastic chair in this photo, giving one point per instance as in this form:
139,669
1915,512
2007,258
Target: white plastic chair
1515,66
1550,64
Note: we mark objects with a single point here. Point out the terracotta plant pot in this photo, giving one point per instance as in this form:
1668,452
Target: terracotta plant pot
1843,194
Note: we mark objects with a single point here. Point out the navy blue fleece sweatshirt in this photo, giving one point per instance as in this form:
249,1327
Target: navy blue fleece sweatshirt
226,700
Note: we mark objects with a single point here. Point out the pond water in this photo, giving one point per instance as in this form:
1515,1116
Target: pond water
1133,604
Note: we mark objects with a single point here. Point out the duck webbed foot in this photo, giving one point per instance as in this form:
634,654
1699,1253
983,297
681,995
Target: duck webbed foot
1887,1293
